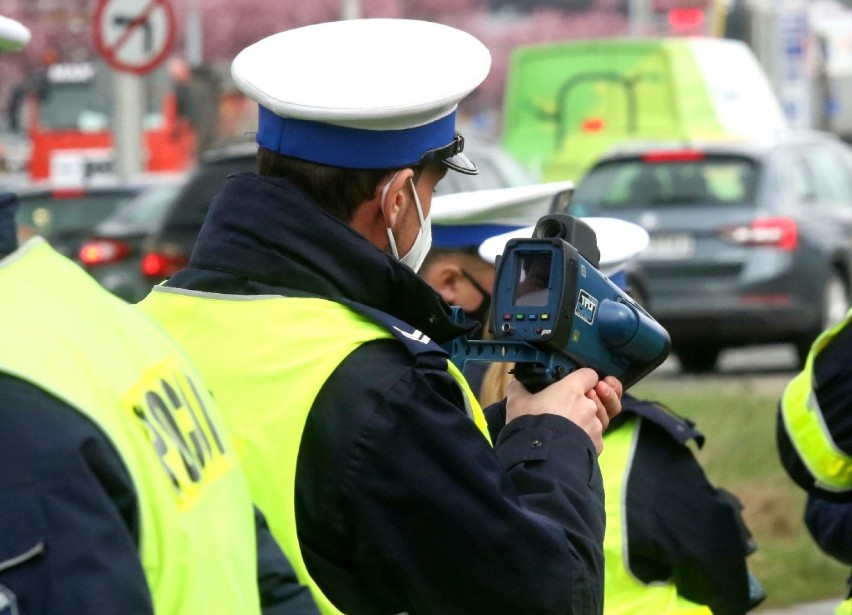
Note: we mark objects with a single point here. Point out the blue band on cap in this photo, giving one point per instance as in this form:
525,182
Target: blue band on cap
466,235
355,148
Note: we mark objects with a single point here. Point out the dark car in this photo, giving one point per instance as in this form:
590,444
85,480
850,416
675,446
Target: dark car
65,216
168,248
751,242
112,253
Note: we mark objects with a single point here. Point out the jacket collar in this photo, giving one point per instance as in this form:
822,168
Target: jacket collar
267,230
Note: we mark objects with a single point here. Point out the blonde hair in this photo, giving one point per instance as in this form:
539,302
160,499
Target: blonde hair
494,383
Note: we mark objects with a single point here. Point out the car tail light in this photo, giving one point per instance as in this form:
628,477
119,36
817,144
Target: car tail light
685,18
680,155
161,265
68,193
103,251
782,233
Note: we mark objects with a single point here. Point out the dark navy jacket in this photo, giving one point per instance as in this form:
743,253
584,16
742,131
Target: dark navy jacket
401,504
830,524
679,526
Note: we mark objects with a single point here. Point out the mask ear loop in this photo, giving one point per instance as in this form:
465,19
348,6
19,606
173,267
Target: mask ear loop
476,284
387,228
417,202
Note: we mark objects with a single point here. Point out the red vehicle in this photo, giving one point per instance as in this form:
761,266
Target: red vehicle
69,119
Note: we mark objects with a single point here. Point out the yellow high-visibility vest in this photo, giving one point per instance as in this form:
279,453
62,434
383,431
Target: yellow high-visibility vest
830,467
266,358
624,594
65,334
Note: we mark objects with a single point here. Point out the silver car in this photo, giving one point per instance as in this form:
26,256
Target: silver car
751,242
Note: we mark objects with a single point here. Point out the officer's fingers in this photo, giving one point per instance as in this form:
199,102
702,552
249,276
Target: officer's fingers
584,378
600,409
609,392
565,398
572,386
616,385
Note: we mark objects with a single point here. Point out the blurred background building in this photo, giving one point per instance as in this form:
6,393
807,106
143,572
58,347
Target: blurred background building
805,46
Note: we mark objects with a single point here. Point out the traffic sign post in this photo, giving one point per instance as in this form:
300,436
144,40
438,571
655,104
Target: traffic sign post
127,136
134,37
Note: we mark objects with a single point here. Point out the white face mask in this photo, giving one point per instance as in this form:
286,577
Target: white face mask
417,254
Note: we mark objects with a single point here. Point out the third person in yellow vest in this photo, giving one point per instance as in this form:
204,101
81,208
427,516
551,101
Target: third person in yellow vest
814,438
675,544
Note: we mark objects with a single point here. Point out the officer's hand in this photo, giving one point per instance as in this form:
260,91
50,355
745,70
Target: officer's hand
579,397
607,393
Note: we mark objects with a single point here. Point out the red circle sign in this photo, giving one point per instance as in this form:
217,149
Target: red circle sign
134,35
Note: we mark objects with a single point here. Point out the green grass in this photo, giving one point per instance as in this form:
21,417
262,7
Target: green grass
738,418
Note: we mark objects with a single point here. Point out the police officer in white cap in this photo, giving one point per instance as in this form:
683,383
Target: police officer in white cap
303,308
674,543
814,441
120,488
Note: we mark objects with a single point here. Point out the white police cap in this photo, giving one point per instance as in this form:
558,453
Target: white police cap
13,34
363,93
466,219
618,241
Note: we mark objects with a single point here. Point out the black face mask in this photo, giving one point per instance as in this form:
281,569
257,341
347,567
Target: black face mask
481,313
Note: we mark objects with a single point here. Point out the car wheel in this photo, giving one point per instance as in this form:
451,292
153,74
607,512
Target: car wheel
697,359
835,304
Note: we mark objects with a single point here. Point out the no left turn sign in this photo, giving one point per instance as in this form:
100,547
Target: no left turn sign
134,35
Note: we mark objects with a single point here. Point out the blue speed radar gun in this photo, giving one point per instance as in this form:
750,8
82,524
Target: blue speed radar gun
554,311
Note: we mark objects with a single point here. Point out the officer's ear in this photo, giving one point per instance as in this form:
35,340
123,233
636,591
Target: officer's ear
393,196
371,217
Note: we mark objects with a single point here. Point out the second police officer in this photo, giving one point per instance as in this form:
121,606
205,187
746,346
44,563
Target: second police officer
302,306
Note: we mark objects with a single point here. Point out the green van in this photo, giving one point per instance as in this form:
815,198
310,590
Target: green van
567,103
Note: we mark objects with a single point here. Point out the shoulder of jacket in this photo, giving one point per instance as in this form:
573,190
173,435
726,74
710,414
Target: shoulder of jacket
415,341
681,429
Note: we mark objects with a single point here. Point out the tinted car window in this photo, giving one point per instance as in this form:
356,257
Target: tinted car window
49,216
194,199
631,182
796,182
496,170
831,174
142,213
489,178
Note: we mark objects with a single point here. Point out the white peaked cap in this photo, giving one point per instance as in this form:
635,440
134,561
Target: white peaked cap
468,218
13,34
619,241
394,83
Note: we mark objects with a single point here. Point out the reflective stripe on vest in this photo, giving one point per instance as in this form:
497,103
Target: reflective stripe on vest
149,402
830,467
266,358
624,594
